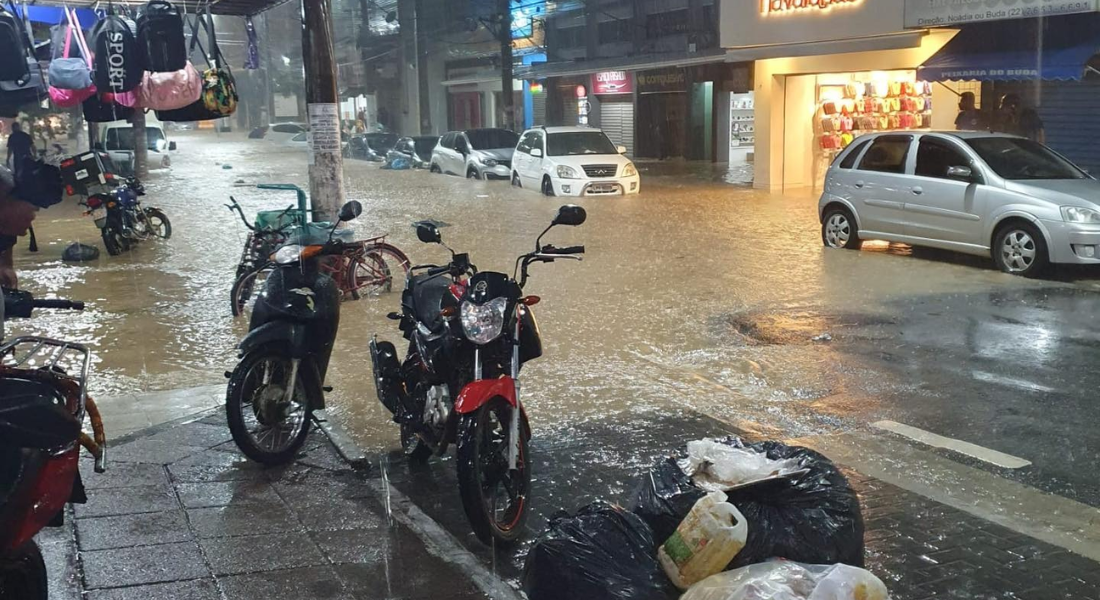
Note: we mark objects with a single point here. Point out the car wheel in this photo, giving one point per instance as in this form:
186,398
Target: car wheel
838,229
1019,249
435,168
473,174
515,180
547,186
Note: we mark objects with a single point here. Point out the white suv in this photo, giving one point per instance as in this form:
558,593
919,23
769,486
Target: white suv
573,161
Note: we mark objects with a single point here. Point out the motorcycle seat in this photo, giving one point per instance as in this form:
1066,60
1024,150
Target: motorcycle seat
427,300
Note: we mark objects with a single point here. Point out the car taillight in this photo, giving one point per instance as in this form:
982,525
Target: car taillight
51,490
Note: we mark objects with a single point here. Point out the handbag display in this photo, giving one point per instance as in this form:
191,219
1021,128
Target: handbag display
846,139
894,122
32,89
98,111
926,121
66,72
170,91
219,95
12,44
830,124
118,66
905,121
895,89
830,142
160,37
918,104
846,123
853,90
829,107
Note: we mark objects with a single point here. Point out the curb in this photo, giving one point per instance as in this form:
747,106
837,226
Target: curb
345,446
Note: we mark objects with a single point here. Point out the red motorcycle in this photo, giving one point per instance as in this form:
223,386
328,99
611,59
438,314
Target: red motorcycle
43,403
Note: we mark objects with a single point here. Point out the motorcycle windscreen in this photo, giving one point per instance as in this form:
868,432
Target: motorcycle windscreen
34,415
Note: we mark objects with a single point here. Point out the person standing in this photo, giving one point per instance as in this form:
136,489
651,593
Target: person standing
20,148
1019,120
969,118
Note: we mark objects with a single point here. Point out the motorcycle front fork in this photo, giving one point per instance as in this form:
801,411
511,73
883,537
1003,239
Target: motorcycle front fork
513,422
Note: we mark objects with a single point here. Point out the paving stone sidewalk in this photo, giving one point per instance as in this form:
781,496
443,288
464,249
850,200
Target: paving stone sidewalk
182,515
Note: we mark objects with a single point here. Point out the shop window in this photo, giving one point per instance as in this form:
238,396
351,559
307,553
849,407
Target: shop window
850,159
887,154
616,30
664,24
569,37
935,156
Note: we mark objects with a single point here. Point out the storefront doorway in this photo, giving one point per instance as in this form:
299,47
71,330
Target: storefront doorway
661,121
465,111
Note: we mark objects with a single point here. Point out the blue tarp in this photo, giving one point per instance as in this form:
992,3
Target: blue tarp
55,14
1056,48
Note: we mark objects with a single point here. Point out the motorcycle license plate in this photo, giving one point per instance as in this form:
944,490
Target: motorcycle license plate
100,216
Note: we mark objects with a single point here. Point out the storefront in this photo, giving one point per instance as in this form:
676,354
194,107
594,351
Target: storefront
821,79
662,113
613,92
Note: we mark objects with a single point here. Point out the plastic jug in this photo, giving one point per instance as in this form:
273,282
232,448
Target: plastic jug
705,542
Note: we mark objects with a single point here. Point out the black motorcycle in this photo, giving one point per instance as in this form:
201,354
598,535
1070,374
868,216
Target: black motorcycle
279,380
469,334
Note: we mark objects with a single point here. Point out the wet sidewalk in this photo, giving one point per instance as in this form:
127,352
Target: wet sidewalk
182,515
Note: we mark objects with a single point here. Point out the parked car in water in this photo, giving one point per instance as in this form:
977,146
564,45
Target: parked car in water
417,150
118,141
476,153
278,132
372,146
979,193
573,161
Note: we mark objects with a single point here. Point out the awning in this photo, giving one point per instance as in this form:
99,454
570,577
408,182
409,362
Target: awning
1056,48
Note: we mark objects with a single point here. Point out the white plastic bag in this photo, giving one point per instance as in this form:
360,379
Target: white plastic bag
783,580
716,466
708,538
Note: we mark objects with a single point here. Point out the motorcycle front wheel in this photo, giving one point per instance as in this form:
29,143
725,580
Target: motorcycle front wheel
494,497
268,427
158,223
23,574
113,240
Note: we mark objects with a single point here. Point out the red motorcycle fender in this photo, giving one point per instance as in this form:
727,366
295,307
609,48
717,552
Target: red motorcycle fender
479,393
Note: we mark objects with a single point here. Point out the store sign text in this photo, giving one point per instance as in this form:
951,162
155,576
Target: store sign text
612,82
935,13
787,7
666,80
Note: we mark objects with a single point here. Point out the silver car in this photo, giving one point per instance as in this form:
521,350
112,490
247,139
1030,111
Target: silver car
978,193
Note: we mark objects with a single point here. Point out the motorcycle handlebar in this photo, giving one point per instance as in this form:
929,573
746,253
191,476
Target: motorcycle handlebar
567,250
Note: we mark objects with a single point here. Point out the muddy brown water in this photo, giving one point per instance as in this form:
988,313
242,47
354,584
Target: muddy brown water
645,318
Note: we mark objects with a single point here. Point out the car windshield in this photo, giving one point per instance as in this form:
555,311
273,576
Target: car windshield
382,142
1017,158
579,142
492,139
122,138
425,145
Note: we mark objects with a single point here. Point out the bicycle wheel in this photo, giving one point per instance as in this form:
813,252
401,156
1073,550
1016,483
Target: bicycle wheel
397,266
247,289
368,275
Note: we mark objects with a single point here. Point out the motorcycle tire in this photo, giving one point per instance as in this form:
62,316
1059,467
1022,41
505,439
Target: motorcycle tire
242,387
113,240
475,436
23,574
164,230
243,289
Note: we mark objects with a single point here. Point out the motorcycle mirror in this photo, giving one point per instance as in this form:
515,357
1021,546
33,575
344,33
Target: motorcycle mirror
351,210
571,215
428,233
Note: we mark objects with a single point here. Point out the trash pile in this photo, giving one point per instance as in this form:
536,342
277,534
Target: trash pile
722,520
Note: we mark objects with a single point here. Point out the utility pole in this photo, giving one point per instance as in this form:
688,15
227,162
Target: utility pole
141,145
423,83
326,168
504,34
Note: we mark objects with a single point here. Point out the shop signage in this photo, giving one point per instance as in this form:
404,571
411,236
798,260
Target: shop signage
936,13
612,82
664,80
786,7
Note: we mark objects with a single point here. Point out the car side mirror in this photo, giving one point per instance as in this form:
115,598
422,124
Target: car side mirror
571,215
960,173
172,146
620,149
351,210
536,152
428,233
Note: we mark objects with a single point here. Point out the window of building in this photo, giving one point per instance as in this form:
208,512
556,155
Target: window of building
616,30
664,24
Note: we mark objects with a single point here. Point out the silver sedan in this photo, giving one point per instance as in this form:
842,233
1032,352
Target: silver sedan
979,193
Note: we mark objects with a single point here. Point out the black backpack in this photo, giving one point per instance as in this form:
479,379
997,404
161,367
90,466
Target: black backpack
12,48
119,63
160,37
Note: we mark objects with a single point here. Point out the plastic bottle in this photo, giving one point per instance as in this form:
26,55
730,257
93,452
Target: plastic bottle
708,538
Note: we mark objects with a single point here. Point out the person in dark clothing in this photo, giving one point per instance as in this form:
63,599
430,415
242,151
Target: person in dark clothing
1015,118
970,118
20,147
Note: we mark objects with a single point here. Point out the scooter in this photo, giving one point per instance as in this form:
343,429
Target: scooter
469,335
43,402
279,380
121,218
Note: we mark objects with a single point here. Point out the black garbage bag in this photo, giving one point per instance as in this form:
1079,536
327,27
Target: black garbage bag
77,252
813,518
603,552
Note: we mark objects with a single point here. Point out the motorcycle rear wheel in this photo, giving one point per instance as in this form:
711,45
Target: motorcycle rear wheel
415,449
23,574
286,426
114,241
483,474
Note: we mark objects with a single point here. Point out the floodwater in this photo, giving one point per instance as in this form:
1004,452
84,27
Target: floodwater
694,293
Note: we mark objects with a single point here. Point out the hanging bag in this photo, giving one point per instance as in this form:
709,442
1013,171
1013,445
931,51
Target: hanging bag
68,72
219,91
118,62
211,85
165,91
160,37
12,45
31,87
97,110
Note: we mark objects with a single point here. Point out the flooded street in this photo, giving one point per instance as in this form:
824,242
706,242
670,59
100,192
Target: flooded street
694,296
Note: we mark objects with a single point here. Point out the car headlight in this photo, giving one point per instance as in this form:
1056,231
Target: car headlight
161,145
489,162
629,170
288,254
1077,214
567,172
483,323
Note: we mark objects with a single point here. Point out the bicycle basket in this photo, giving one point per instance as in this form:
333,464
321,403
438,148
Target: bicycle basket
274,219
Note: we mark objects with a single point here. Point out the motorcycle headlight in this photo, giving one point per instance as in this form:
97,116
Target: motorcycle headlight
567,172
1077,214
630,170
483,323
288,254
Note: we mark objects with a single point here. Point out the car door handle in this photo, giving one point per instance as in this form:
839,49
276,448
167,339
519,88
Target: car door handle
859,185
917,191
